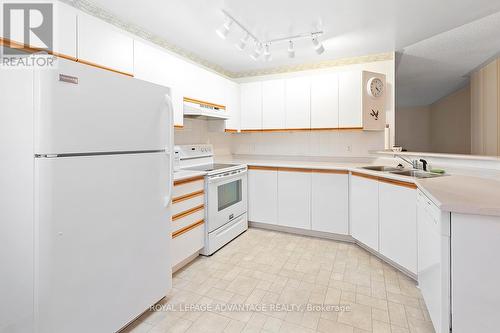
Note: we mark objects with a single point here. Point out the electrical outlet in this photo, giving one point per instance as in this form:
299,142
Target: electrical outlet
348,148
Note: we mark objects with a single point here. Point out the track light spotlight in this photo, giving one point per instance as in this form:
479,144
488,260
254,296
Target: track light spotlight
291,50
318,47
256,53
243,42
267,54
224,30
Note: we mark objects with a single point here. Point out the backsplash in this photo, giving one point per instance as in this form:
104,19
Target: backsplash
315,143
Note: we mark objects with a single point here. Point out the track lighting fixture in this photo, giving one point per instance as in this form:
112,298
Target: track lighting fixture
224,30
318,46
267,54
243,42
262,46
256,53
291,50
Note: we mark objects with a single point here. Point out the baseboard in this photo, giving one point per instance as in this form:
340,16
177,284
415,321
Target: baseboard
303,232
185,262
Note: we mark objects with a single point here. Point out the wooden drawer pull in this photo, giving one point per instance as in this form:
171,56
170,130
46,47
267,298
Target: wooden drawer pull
397,183
186,229
188,212
188,180
188,196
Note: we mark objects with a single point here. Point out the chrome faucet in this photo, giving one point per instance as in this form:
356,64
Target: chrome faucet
413,163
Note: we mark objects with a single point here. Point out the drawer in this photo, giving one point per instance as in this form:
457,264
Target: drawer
188,186
188,243
194,200
187,218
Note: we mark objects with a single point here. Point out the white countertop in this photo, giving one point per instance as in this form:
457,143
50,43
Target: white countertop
453,193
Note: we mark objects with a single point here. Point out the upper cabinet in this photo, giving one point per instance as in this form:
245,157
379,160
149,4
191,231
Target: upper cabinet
325,101
298,103
102,44
273,104
233,105
350,94
155,65
251,105
65,30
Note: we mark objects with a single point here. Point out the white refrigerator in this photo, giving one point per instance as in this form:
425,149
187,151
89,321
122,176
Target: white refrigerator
85,185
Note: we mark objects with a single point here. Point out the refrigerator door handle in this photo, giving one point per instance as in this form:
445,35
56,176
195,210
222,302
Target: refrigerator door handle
168,196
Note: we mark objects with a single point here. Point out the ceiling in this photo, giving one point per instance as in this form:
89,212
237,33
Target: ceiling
435,67
352,27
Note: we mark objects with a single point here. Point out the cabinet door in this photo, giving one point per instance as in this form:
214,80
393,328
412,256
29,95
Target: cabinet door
263,196
350,106
298,103
325,101
398,224
364,210
233,105
65,30
156,66
273,104
251,105
330,202
294,199
102,44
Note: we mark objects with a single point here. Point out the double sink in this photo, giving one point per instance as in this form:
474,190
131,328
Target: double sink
400,172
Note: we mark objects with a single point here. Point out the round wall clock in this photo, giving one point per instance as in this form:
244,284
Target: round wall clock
375,87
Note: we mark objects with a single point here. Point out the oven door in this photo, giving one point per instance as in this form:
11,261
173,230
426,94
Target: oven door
227,197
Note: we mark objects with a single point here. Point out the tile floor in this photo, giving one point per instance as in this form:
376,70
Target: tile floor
267,267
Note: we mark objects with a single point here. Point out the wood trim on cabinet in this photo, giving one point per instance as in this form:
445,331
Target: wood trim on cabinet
258,167
188,180
188,228
89,63
197,101
178,126
364,175
188,212
188,196
229,130
340,172
30,49
398,183
291,169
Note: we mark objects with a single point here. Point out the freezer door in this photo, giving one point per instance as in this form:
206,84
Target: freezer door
102,240
82,109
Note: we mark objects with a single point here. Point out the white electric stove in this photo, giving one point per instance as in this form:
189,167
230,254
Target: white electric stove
225,194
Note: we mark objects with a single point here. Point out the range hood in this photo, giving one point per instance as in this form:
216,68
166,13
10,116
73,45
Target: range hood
194,108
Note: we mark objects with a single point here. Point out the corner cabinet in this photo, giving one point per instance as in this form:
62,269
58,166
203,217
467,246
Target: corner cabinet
364,209
101,44
330,201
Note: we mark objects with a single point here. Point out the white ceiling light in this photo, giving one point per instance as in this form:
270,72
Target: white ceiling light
224,30
291,51
243,42
318,47
267,54
256,53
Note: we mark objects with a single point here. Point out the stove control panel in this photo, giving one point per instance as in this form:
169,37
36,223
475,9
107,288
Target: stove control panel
194,151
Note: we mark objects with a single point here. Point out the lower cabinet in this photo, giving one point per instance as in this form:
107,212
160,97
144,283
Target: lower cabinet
188,219
294,198
330,201
263,195
364,209
398,223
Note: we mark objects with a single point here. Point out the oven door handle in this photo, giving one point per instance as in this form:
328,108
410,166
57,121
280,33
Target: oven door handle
225,176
